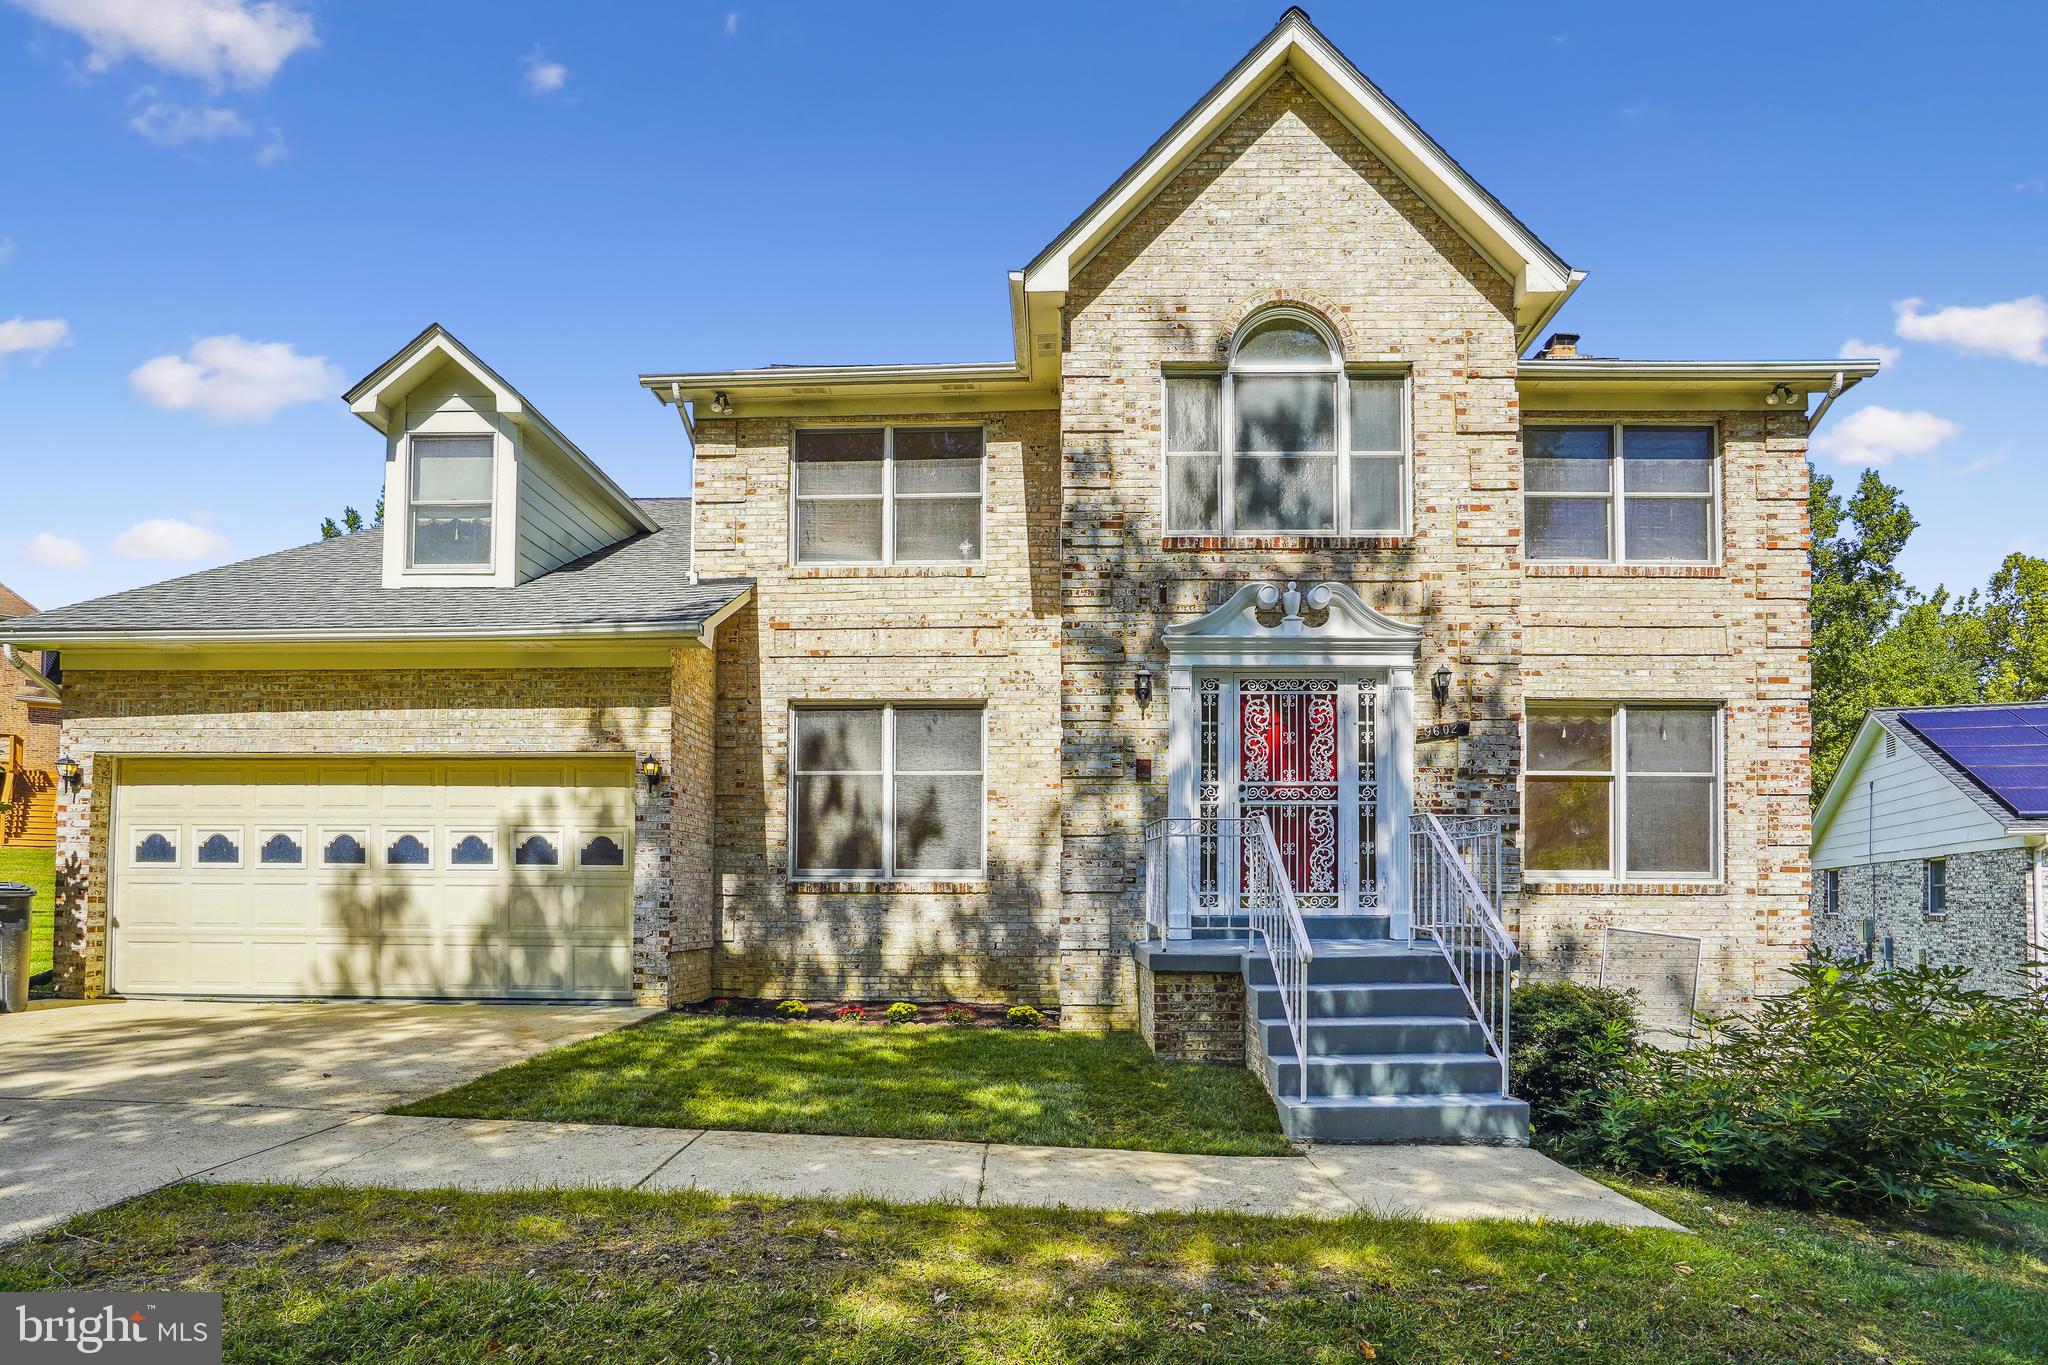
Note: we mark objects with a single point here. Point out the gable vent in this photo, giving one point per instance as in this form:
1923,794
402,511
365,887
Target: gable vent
1891,746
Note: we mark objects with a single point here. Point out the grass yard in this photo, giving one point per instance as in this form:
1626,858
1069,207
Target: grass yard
38,868
873,1080
333,1275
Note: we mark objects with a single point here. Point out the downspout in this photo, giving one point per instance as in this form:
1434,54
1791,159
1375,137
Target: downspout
1827,401
34,674
675,396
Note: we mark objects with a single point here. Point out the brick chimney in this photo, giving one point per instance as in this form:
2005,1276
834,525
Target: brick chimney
1560,346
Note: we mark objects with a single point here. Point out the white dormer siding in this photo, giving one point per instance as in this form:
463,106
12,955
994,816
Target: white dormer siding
561,514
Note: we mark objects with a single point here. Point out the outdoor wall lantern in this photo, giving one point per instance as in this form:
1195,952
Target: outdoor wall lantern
70,772
1440,685
650,768
1141,686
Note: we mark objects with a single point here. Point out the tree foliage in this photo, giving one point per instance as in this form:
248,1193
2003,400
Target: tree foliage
352,522
1878,642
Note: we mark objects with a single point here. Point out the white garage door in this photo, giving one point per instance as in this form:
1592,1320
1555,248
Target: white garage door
503,878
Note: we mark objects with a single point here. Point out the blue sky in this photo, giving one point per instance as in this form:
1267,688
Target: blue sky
210,207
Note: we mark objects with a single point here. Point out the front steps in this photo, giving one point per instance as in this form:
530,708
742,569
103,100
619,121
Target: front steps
1393,1052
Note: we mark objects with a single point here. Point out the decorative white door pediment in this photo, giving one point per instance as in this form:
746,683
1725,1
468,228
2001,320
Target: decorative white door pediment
1323,625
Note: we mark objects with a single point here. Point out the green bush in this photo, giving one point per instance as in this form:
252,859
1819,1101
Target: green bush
902,1012
959,1014
1023,1016
1570,1045
793,1009
1857,1088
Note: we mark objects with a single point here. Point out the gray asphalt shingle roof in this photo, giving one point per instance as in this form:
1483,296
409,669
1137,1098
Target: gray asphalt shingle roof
336,587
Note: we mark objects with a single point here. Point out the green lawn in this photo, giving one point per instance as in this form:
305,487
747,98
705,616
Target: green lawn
343,1275
38,868
872,1080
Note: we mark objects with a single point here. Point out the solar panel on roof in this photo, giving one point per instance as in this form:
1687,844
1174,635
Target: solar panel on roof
2004,748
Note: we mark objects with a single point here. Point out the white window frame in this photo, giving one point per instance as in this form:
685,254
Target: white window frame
888,496
1927,879
1617,775
1617,496
887,773
1336,370
487,565
1831,891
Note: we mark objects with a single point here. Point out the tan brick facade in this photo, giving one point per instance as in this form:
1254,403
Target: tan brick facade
385,712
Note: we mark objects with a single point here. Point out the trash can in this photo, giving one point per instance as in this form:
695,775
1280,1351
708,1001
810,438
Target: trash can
14,934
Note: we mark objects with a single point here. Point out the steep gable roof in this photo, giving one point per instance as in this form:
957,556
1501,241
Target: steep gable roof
1541,279
1894,722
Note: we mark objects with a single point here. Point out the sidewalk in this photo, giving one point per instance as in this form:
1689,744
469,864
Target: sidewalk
1439,1184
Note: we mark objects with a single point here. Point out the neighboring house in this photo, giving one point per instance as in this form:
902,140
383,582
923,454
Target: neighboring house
29,716
932,646
1931,847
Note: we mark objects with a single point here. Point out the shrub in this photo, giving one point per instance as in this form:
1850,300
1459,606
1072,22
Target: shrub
958,1014
1570,1045
902,1012
1023,1016
1857,1088
850,1014
724,1009
793,1009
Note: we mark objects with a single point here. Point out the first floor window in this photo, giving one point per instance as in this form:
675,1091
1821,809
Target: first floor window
1831,891
1623,790
1621,493
888,495
1937,886
886,791
452,478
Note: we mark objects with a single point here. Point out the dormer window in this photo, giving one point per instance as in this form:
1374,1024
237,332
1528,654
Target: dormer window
452,478
1286,440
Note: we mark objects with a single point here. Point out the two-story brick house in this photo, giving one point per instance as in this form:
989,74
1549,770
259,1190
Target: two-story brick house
1058,679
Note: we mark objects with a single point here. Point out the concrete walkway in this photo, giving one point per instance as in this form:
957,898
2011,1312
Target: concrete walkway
102,1102
1441,1184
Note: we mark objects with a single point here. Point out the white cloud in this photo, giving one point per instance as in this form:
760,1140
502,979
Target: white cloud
1856,348
173,125
1877,435
732,22
53,551
32,336
2032,184
233,380
242,42
544,77
169,538
2017,329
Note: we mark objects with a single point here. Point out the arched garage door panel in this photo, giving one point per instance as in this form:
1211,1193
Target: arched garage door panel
481,878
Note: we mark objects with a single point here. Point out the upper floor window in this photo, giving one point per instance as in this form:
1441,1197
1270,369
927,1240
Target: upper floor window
1620,493
1629,791
452,480
888,495
1285,441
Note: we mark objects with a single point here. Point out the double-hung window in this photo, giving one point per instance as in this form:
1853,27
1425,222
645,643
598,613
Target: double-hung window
1623,791
452,481
1285,441
1934,895
886,792
888,495
1625,493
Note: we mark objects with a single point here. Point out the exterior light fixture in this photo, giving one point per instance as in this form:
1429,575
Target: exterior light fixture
1440,685
721,406
1141,686
1781,396
650,768
70,772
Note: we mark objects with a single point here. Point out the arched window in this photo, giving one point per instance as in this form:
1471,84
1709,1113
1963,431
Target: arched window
1285,440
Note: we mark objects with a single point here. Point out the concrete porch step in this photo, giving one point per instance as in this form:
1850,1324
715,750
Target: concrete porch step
1386,999
1475,1118
1366,925
1430,1035
1360,962
1351,1075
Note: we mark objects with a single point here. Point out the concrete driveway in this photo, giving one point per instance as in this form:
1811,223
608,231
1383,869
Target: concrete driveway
102,1101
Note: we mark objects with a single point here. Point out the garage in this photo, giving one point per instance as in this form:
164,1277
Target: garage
481,878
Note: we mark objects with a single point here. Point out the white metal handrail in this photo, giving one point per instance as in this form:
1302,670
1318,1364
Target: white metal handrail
1266,902
1453,910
